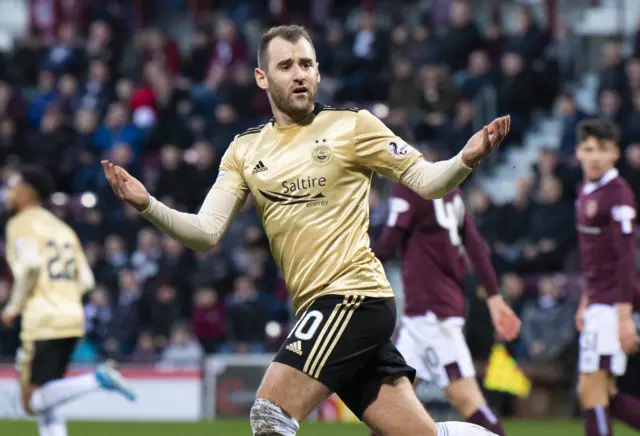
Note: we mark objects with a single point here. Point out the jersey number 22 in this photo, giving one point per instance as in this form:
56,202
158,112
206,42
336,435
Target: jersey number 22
61,262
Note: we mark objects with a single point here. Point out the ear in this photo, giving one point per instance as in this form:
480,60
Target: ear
318,69
261,79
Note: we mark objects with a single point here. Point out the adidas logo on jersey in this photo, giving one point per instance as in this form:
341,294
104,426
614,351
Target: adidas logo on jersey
259,168
295,347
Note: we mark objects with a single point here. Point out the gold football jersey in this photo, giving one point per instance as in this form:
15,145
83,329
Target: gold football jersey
53,308
311,185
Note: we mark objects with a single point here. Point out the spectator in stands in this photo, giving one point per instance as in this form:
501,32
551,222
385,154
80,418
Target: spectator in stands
515,94
632,70
213,268
98,91
369,52
479,74
208,319
80,166
176,266
423,47
548,322
571,116
97,313
228,47
485,214
202,172
26,59
512,226
45,95
8,140
437,101
146,350
101,45
611,106
334,51
66,54
183,350
631,168
200,52
124,327
89,226
551,228
162,312
403,92
631,123
248,313
457,131
612,74
154,46
8,335
144,259
462,38
549,165
117,129
105,274
529,41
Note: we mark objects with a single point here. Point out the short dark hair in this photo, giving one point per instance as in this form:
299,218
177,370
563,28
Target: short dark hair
602,130
290,32
38,179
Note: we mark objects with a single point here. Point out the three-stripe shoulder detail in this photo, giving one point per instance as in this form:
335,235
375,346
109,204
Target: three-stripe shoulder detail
252,130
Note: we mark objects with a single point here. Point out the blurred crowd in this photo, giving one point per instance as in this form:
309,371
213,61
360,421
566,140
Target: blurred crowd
165,105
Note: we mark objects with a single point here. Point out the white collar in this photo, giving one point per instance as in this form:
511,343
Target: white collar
589,187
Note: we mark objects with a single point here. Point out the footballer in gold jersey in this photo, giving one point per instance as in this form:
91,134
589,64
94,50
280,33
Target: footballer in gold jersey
309,170
50,276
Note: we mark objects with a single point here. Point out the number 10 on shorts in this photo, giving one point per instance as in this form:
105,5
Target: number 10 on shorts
307,326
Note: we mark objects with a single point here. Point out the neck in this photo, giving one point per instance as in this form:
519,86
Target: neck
285,120
27,206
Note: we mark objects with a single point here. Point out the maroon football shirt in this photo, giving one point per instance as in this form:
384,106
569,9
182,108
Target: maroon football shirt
433,236
606,221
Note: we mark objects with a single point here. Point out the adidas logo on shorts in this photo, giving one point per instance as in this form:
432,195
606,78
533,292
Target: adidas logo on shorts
295,347
259,168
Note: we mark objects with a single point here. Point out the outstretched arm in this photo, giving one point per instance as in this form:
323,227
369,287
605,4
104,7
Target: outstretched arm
379,149
433,180
23,257
201,231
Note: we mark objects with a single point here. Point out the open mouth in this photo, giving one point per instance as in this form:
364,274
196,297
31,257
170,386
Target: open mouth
300,90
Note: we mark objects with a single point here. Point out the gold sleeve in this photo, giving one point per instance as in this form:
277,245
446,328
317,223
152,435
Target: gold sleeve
379,149
201,231
432,180
23,258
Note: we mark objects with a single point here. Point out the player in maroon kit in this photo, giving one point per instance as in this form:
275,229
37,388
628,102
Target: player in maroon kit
605,217
436,236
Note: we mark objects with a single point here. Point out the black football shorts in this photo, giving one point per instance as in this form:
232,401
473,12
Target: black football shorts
42,361
345,343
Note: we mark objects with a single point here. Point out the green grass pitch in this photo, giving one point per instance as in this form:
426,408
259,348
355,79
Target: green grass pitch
241,428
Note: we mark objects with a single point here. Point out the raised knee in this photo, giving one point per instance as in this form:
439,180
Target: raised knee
268,419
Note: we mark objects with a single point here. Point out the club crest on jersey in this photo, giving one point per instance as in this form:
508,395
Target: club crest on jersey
321,154
399,149
591,208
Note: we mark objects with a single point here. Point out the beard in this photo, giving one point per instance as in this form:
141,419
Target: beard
294,106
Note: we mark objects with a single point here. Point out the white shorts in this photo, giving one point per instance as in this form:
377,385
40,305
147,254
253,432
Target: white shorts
600,343
436,348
